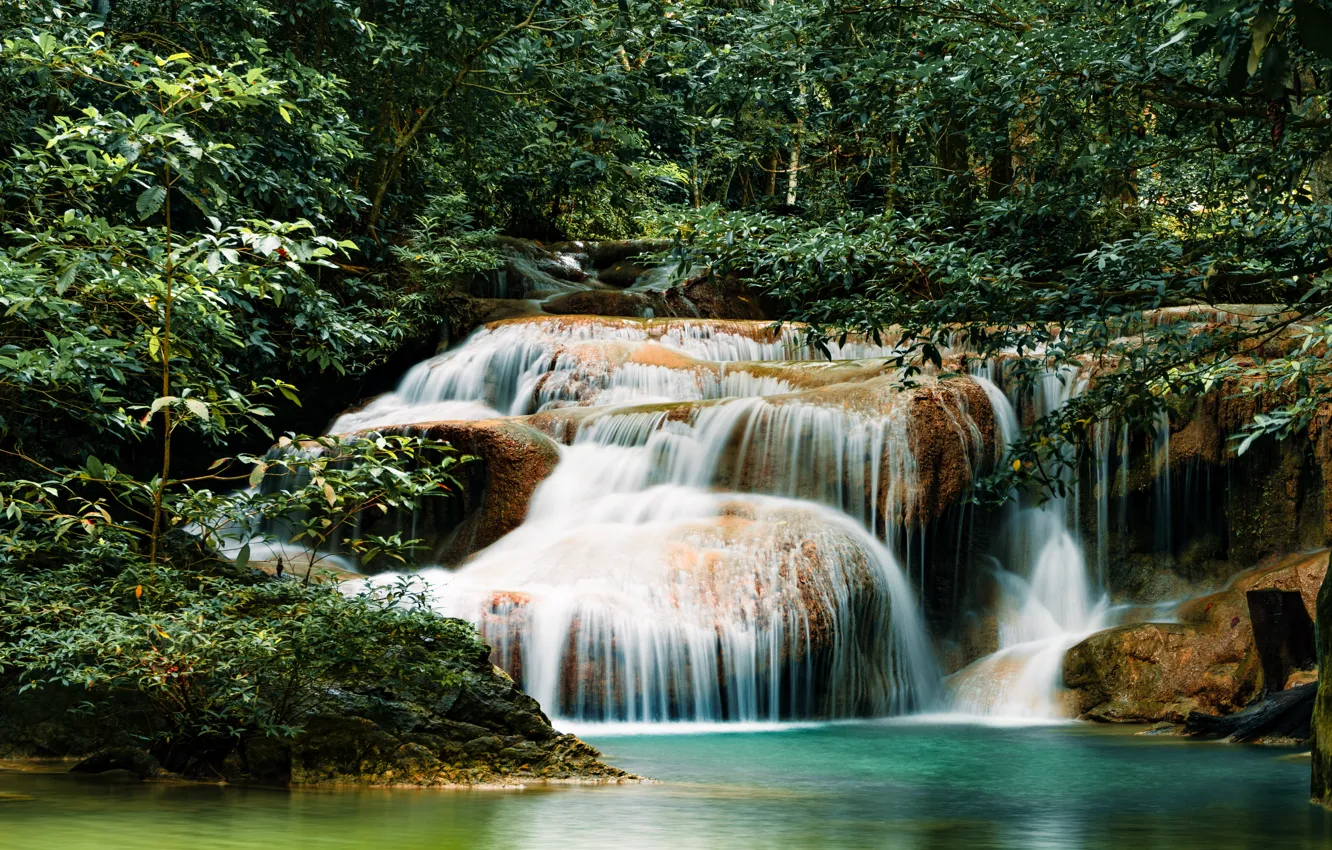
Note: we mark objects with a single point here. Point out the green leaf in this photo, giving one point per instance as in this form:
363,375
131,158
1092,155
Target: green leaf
150,201
1235,70
257,474
243,556
1263,24
198,408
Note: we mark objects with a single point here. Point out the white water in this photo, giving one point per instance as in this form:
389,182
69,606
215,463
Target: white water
729,564
1047,602
524,366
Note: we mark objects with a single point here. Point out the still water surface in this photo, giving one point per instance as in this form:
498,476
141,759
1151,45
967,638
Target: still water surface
885,784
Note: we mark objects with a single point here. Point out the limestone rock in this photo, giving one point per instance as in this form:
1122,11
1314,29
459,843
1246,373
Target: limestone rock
1206,663
598,302
503,740
513,458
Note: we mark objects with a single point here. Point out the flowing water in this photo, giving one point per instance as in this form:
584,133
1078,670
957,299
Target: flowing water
721,564
1047,601
718,539
890,785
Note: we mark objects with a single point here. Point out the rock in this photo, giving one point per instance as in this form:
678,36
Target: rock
493,734
622,274
598,302
607,253
709,297
1208,663
135,762
513,459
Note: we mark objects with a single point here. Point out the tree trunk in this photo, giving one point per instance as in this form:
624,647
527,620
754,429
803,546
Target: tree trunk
1320,786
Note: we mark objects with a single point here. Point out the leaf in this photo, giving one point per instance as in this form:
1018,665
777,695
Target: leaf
286,116
95,467
150,201
243,556
257,474
1263,24
331,496
1314,24
66,278
138,591
198,408
1235,70
215,464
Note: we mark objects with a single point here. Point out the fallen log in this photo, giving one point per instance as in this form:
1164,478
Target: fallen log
1284,715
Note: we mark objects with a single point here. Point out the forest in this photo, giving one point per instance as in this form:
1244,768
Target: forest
224,222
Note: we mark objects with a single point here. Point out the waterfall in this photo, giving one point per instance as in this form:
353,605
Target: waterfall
713,543
523,366
1047,602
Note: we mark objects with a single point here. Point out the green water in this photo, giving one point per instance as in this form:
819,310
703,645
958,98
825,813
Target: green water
887,785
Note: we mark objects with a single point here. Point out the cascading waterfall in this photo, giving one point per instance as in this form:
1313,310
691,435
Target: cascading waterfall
716,562
525,366
717,539
1047,600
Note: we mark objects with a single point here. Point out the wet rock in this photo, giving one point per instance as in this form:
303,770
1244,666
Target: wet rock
513,459
598,302
132,761
622,274
709,297
504,739
1207,663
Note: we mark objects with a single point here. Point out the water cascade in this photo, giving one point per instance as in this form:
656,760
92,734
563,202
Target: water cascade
722,532
1047,602
713,542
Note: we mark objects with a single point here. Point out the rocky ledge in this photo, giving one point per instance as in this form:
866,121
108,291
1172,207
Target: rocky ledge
1223,652
484,732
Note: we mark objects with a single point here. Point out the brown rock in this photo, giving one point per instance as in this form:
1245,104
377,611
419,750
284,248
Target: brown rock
597,302
1206,663
512,459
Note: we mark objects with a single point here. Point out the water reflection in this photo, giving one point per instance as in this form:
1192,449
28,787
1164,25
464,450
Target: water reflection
893,785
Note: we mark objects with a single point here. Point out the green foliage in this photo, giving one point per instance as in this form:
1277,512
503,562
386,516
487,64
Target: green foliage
203,652
195,659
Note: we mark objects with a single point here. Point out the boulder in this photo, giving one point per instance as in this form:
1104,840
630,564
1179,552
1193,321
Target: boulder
765,596
622,274
598,302
1208,662
709,297
512,458
487,733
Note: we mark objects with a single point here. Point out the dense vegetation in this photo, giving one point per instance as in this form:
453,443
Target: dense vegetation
208,207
